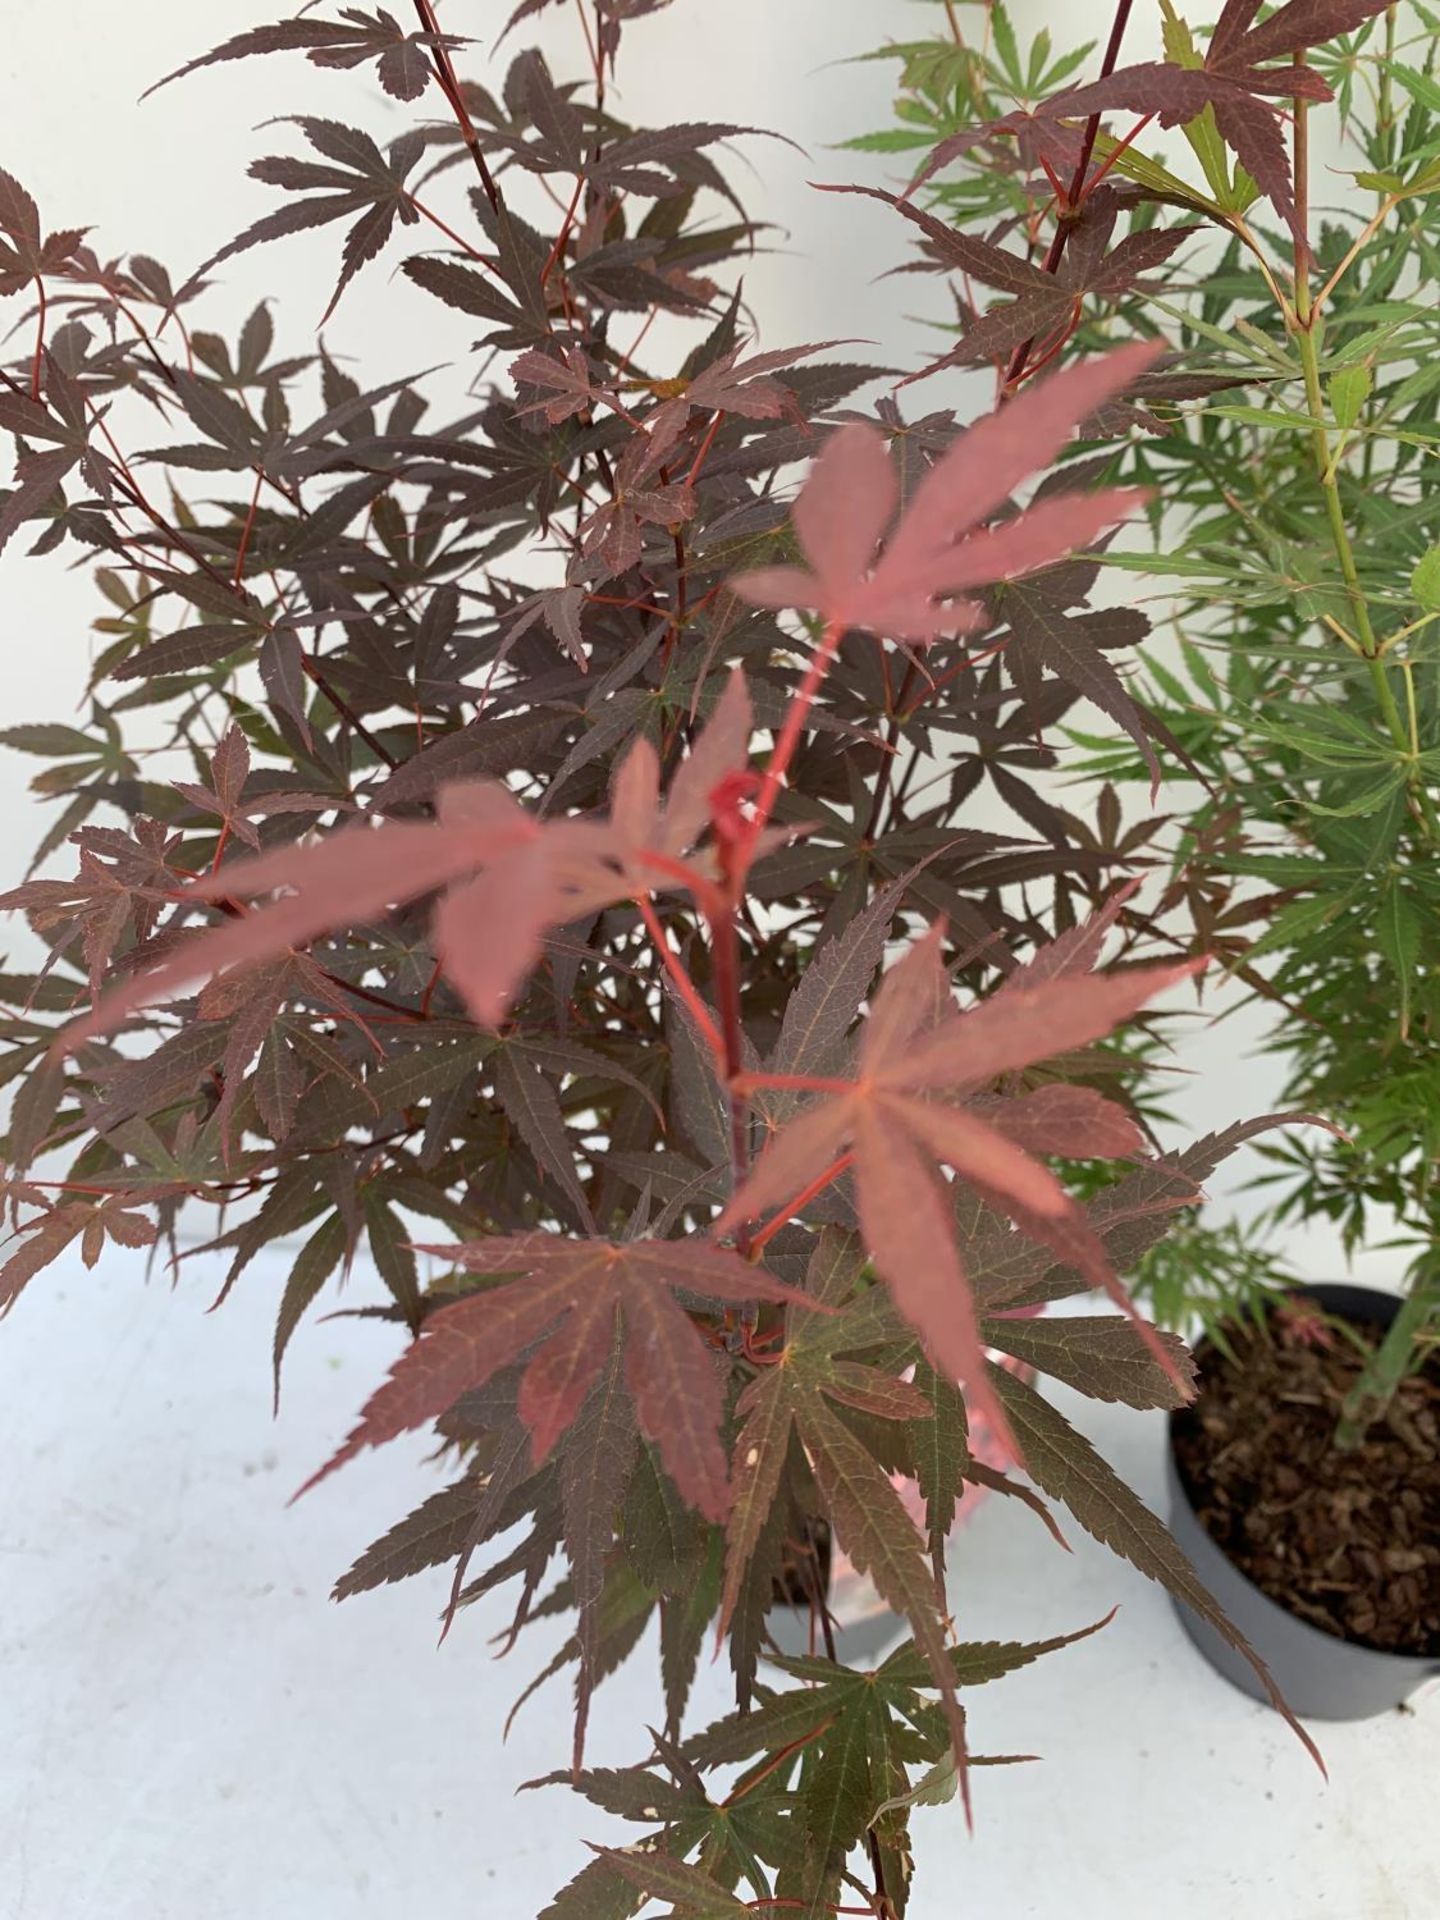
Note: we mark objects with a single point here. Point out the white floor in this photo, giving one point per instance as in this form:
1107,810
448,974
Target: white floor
193,1732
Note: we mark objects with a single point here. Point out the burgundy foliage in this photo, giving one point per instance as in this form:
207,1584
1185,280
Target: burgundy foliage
570,859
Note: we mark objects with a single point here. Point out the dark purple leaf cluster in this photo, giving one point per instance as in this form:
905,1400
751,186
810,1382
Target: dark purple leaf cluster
562,769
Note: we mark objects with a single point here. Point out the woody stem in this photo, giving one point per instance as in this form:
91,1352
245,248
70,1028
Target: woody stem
1051,262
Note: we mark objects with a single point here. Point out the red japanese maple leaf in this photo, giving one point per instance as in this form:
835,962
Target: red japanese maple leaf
941,546
507,876
1236,83
910,1109
562,1308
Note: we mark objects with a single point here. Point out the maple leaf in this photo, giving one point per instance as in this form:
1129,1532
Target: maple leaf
1235,83
941,546
1041,302
564,382
225,796
615,531
49,1232
729,384
39,471
350,41
122,884
26,251
507,875
564,1306
903,1115
1040,143
358,179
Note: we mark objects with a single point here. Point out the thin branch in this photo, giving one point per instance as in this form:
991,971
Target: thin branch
444,69
1056,254
37,360
678,973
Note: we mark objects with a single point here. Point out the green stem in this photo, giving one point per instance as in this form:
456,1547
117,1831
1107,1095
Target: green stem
1370,1397
1306,340
1385,105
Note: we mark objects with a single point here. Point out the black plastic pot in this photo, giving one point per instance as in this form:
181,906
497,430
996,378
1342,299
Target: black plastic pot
1321,1676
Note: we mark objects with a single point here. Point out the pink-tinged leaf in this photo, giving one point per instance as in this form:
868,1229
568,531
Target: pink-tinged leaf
635,794
679,1398
722,747
350,877
778,587
977,476
798,1154
560,1376
845,507
910,998
906,1218
1069,1120
853,488
978,1151
488,934
1043,534
459,1348
678,1395
1014,1030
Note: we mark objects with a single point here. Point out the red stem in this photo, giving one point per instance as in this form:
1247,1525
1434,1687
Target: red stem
821,662
39,355
445,74
705,446
1051,262
684,985
725,949
802,1199
248,528
792,1082
564,234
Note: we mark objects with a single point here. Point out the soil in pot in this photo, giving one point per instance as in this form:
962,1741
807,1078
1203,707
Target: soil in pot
1349,1542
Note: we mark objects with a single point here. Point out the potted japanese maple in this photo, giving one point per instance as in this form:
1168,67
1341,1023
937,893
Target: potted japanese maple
580,937
1300,539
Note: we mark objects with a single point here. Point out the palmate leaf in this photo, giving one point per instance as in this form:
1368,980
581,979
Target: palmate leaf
564,1306
941,548
354,177
918,1057
26,251
1236,84
434,1533
690,1892
1037,303
865,1728
510,877
595,1471
352,40
795,1398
